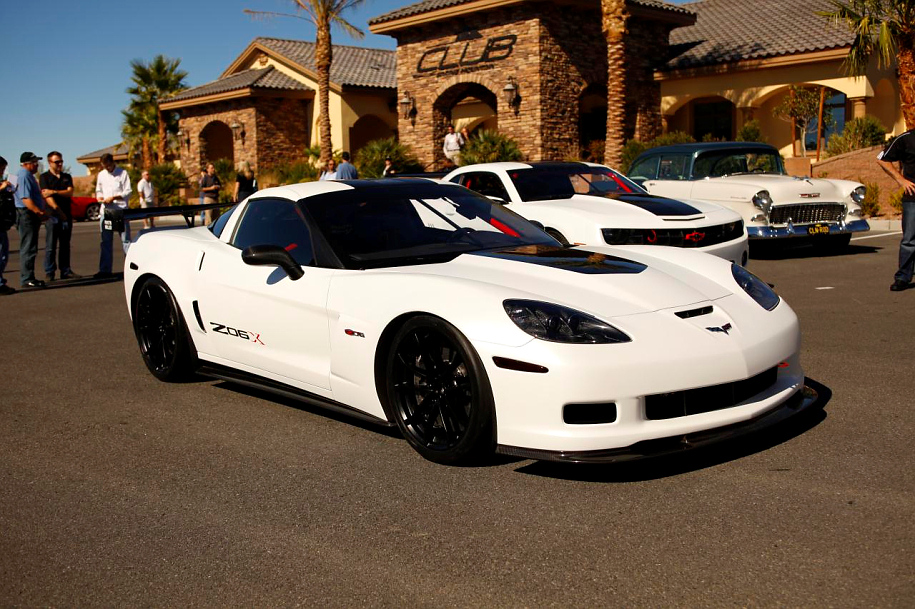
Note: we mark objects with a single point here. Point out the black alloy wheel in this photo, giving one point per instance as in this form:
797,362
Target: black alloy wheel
161,333
439,393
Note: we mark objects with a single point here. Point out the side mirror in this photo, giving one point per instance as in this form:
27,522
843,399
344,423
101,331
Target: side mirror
639,180
538,225
272,255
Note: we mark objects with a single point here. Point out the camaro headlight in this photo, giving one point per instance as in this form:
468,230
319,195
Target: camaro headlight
763,201
755,287
559,324
857,195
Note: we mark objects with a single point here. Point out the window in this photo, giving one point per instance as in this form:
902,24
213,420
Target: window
275,222
646,169
674,167
220,224
486,183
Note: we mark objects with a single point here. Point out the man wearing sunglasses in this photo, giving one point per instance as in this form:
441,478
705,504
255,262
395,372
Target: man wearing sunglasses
30,213
57,189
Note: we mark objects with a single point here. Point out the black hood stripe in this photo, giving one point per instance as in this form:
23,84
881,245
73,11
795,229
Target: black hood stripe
567,259
659,206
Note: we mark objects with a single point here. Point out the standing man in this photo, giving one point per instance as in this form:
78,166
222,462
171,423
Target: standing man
902,150
7,221
453,144
30,213
346,170
57,189
112,189
209,186
147,196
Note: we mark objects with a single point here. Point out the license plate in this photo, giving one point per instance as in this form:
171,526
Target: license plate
818,229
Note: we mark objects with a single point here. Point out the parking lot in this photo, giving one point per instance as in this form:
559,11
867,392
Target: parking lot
121,490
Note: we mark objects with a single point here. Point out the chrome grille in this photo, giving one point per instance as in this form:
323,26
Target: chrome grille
807,213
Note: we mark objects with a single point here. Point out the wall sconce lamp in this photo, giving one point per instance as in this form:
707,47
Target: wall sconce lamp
238,130
407,106
184,136
511,95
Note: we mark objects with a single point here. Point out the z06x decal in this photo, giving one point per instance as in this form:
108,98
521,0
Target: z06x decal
242,334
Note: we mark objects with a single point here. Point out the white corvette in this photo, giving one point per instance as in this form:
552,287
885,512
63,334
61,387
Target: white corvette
590,204
425,306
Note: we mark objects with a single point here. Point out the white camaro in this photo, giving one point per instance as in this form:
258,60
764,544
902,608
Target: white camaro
591,204
425,306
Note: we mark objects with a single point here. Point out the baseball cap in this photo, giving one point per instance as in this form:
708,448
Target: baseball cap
28,157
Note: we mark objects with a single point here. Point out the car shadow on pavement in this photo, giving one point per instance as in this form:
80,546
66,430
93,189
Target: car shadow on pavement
805,249
691,460
73,283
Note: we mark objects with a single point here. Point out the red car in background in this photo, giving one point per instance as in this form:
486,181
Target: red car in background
85,208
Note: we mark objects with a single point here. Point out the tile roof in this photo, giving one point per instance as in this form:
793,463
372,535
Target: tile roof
262,78
353,66
731,30
432,5
115,150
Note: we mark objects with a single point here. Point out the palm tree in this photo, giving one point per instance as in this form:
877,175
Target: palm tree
885,28
614,20
153,83
138,125
322,14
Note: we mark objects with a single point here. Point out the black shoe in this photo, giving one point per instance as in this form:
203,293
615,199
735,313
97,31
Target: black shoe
50,277
899,285
70,275
6,290
103,275
33,283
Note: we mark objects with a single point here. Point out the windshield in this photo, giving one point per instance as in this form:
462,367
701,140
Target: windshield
395,226
562,181
719,163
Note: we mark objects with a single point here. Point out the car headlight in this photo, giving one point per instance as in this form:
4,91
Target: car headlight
763,201
857,195
558,324
755,287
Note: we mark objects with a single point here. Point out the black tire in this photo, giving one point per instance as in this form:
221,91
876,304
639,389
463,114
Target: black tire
161,333
92,212
555,234
439,394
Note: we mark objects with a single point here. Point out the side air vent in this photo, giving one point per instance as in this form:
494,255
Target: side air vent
694,312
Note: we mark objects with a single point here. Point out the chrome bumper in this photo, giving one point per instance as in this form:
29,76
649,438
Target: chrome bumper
800,230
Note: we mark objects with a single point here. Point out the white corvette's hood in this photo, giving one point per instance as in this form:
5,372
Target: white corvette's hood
635,210
600,283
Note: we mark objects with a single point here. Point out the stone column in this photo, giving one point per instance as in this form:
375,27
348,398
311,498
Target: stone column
858,106
665,122
747,113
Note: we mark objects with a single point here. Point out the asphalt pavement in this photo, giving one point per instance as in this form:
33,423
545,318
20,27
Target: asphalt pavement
119,490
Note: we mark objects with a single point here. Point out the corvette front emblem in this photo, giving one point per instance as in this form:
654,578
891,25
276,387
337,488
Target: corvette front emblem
723,328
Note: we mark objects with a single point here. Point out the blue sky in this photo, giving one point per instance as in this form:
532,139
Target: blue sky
67,63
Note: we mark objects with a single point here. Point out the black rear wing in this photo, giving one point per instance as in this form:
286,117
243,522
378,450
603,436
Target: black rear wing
116,216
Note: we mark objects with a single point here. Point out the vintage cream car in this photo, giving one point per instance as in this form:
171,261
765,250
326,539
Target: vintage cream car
750,178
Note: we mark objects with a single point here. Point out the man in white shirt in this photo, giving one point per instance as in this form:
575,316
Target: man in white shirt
453,144
112,189
145,188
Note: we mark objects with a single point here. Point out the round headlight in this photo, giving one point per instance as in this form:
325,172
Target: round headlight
763,201
858,194
558,324
757,289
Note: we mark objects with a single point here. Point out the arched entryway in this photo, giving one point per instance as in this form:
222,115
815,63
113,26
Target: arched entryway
366,129
467,105
216,143
592,123
712,118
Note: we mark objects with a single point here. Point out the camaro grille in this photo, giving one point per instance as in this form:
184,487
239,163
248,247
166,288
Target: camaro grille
676,237
706,399
807,213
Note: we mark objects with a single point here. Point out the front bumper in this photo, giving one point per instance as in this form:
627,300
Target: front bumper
800,230
804,399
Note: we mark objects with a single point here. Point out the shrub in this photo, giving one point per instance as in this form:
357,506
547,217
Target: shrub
896,200
225,171
633,148
489,146
871,203
370,158
166,179
294,172
858,133
593,152
750,132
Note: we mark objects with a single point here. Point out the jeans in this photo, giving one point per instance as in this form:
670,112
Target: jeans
907,245
4,254
106,254
57,241
29,224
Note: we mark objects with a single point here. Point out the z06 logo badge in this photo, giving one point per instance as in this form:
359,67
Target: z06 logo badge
253,337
